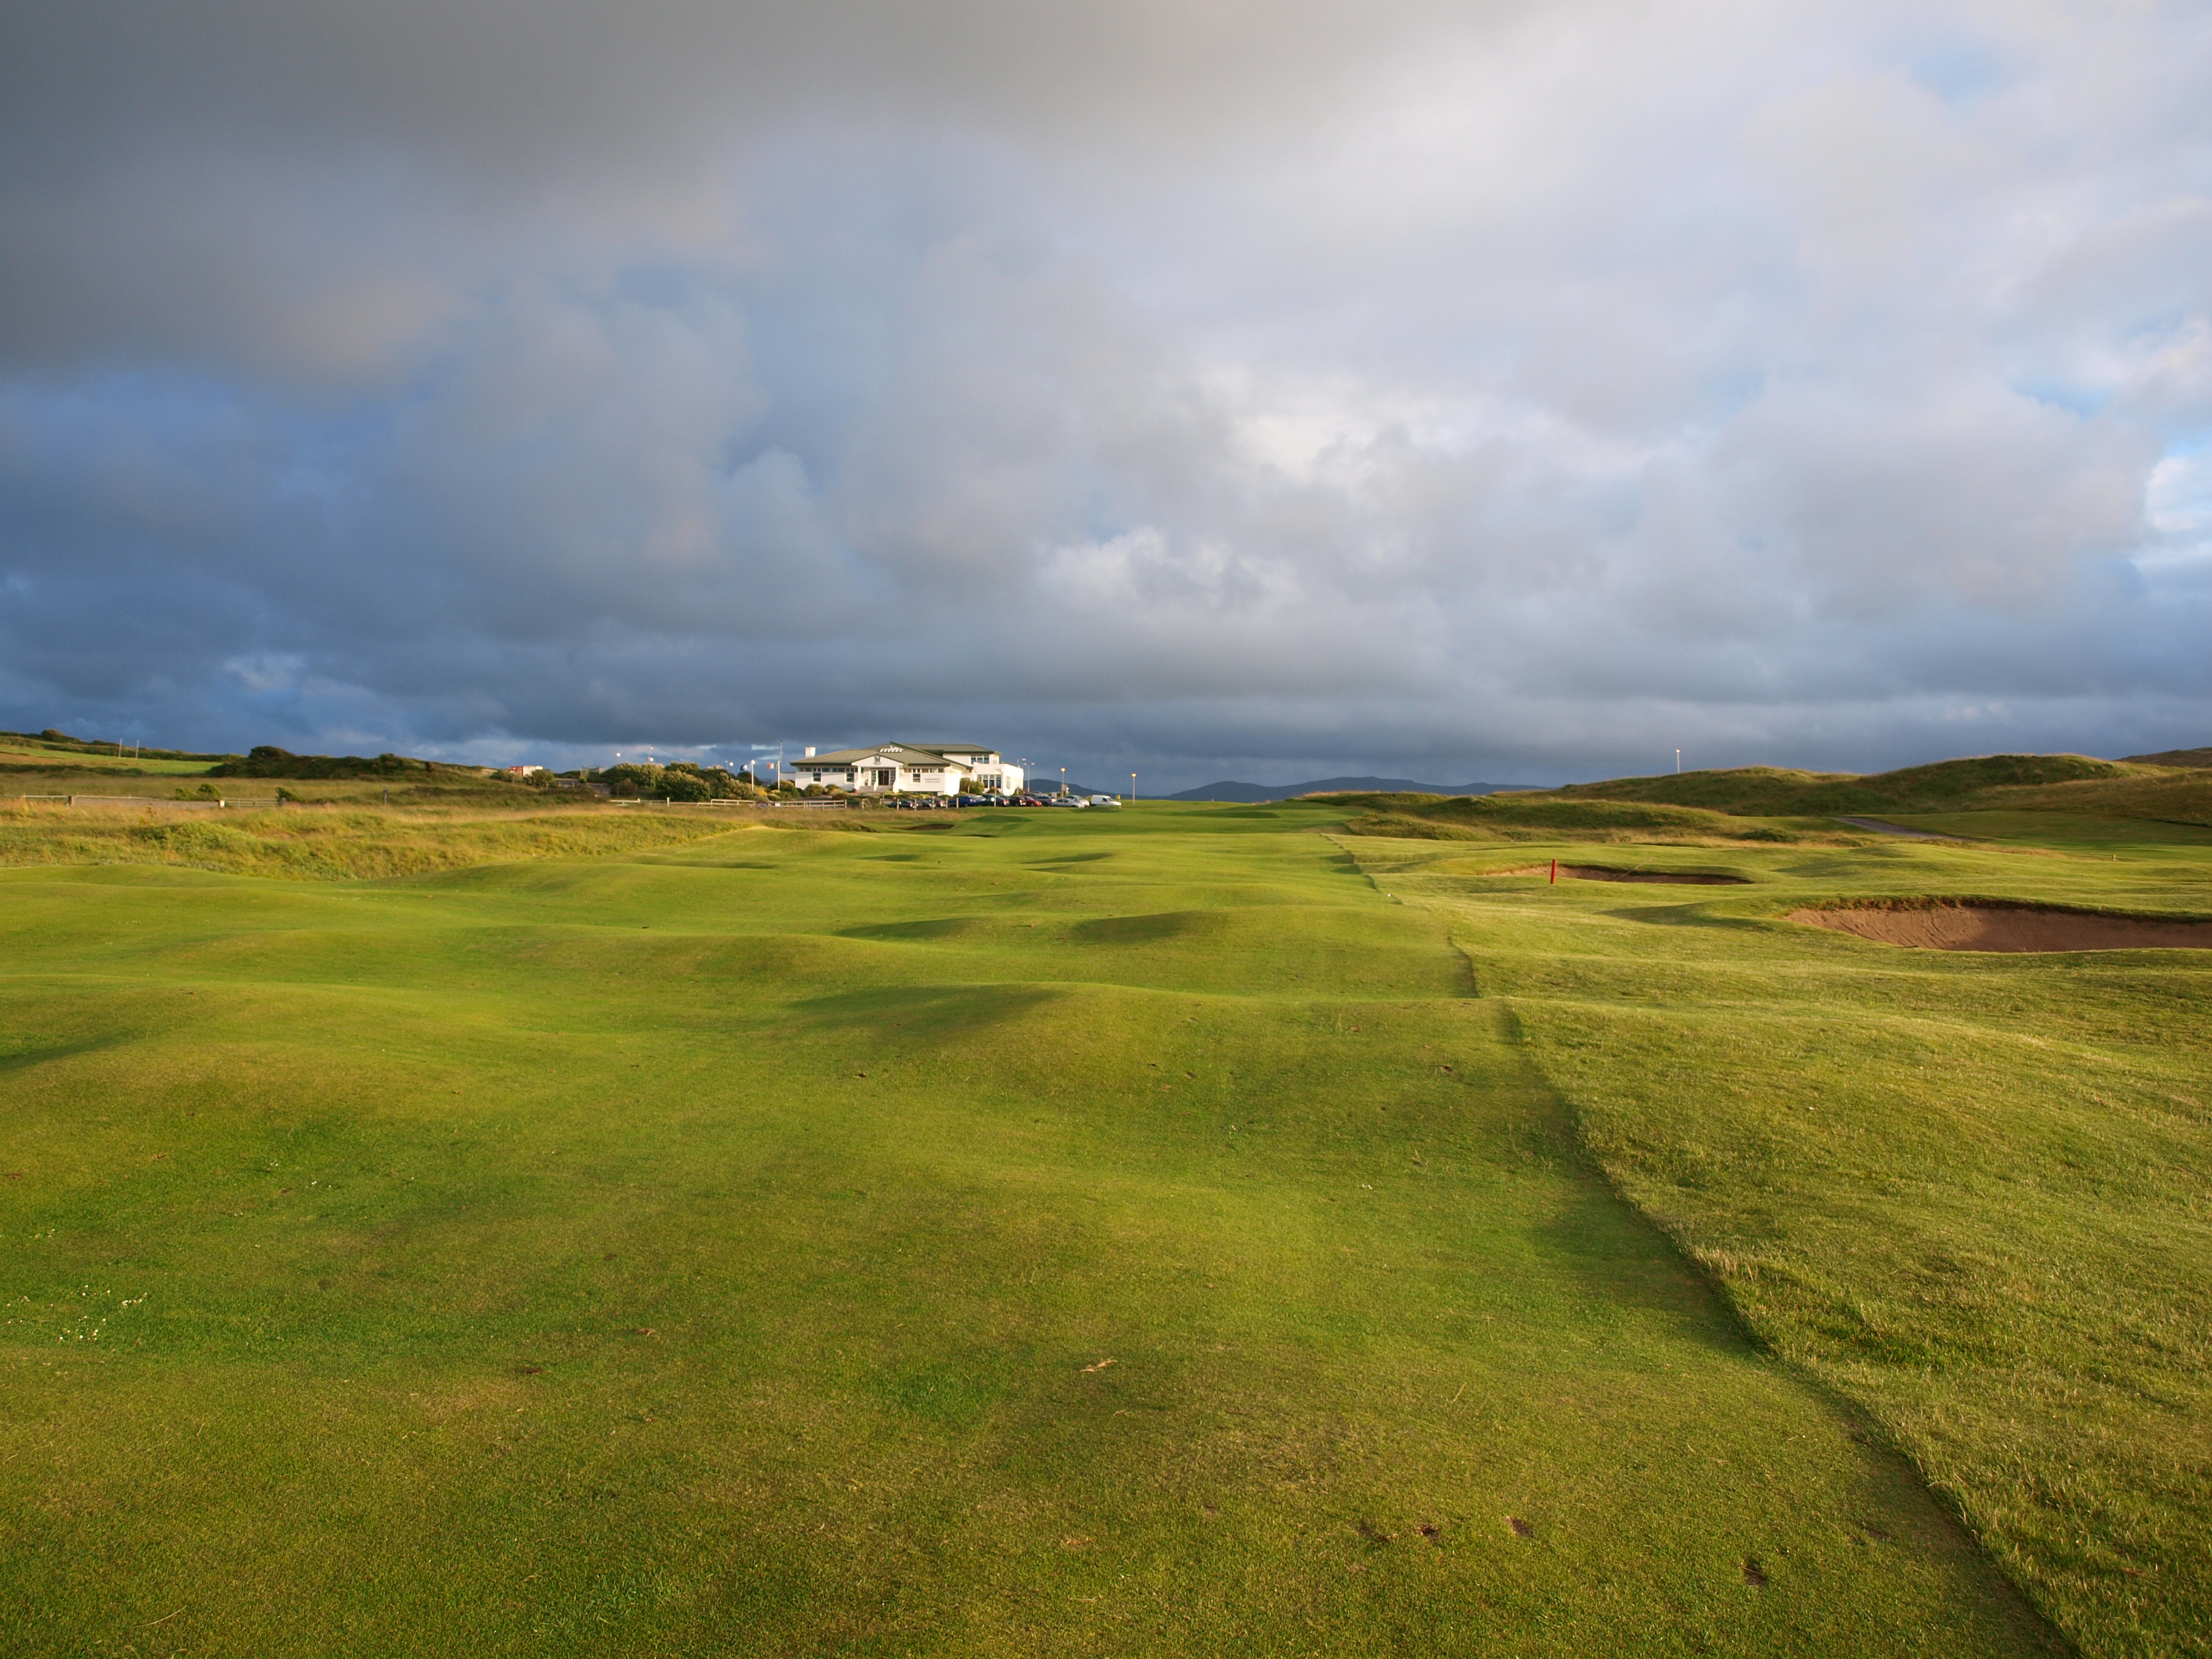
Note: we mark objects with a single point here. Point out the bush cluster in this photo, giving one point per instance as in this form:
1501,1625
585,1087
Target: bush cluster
270,761
680,780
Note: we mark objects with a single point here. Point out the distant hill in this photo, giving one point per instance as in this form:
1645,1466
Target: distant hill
1228,790
2172,757
60,742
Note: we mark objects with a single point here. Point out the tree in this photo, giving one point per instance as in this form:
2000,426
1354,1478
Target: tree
682,781
632,782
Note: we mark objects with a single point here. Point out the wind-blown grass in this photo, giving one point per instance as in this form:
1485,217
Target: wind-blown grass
335,844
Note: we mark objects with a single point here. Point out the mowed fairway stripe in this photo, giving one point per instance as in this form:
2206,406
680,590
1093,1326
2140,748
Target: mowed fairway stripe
1059,1234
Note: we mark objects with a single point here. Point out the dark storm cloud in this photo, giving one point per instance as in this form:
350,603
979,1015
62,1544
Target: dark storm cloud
1518,389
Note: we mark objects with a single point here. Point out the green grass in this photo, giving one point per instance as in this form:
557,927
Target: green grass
60,749
40,772
581,1246
22,753
1966,1192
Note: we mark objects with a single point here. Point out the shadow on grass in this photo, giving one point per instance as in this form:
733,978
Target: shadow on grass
1684,915
1612,1249
1618,1254
1620,1258
938,927
1145,930
926,1010
23,1053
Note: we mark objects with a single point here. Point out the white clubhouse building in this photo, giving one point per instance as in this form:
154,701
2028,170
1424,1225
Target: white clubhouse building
906,768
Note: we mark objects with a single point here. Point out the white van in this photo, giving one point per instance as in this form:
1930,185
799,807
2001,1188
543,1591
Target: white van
1104,800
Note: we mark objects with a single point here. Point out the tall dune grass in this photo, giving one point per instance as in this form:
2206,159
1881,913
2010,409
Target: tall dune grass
311,844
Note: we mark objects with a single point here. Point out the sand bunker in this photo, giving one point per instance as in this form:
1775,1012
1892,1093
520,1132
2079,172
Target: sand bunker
1606,873
2008,927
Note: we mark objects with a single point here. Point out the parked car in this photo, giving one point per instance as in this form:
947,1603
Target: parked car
1069,800
1105,800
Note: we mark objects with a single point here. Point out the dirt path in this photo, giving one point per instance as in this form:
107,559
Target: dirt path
1884,827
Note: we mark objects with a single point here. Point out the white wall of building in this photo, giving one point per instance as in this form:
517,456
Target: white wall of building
881,772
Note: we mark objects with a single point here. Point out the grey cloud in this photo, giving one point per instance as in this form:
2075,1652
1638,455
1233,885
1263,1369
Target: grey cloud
517,80
1169,389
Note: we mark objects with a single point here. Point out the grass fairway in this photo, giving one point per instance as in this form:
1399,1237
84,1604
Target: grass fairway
1061,1233
1968,1191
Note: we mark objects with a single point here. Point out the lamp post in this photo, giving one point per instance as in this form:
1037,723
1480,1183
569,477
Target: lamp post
1132,788
1063,779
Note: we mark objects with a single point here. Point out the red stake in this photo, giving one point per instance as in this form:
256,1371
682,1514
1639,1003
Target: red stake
1555,872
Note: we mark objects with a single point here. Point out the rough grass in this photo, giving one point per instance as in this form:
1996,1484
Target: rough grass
1531,816
1767,804
2174,796
1968,1192
1773,791
1061,1234
336,844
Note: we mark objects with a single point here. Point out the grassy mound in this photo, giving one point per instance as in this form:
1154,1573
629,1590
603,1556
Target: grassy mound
1772,792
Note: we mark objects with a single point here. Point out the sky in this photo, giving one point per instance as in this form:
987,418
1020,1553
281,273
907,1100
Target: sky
1514,392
